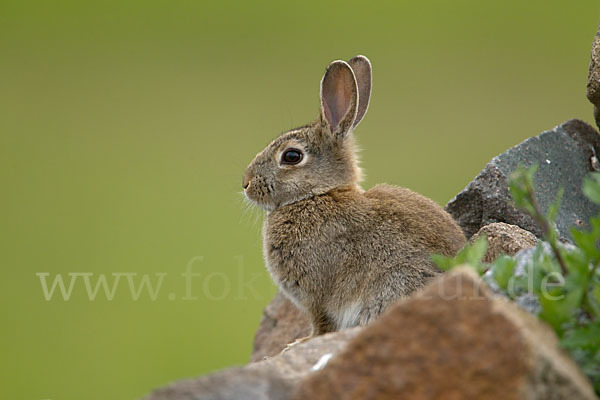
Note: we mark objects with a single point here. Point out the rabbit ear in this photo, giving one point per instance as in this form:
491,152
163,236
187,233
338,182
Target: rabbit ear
362,72
339,98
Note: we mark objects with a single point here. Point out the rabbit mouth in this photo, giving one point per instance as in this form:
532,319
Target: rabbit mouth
260,200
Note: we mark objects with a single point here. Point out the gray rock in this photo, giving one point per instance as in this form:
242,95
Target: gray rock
565,155
307,356
272,378
282,323
234,383
593,86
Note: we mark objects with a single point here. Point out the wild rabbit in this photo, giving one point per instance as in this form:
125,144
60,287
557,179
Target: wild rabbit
338,252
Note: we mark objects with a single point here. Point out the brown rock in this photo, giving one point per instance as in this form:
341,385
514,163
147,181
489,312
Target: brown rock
453,340
270,379
504,239
282,323
593,86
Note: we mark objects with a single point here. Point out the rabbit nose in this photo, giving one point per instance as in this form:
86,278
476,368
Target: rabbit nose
246,180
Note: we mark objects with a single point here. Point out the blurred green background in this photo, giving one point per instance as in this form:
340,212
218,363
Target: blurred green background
125,128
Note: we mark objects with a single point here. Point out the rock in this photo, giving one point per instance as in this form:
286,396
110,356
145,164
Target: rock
565,155
234,383
297,362
282,323
272,378
504,239
593,85
452,340
526,299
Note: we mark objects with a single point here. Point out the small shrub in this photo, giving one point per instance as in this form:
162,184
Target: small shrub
564,280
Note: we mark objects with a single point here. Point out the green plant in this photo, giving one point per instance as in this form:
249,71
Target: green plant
564,280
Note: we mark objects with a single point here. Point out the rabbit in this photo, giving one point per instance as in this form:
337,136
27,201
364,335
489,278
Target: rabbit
340,253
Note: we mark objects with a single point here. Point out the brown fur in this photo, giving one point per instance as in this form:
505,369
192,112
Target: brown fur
342,254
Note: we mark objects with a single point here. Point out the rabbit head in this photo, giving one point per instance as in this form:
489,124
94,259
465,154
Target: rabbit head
316,158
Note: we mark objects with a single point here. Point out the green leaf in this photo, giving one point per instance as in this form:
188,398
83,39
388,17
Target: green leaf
588,240
594,301
541,265
558,308
555,207
520,185
585,337
471,255
578,268
502,270
596,293
443,262
591,187
476,251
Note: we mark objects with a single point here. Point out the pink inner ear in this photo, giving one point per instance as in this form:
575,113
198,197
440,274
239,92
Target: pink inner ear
362,72
327,113
337,95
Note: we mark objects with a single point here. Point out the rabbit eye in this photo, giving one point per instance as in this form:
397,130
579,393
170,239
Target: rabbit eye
291,157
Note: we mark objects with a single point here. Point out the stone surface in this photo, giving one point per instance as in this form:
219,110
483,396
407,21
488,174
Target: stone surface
504,239
526,299
282,323
452,340
234,383
272,378
565,155
301,358
593,86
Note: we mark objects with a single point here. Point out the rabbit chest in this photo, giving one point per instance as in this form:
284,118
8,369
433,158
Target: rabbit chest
308,244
